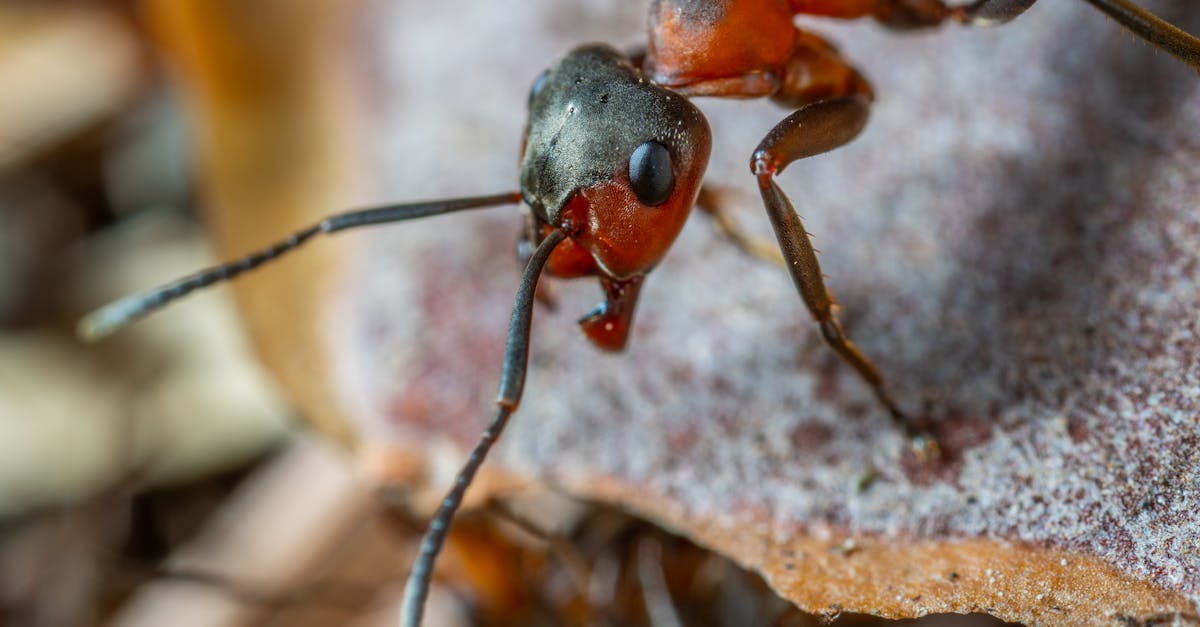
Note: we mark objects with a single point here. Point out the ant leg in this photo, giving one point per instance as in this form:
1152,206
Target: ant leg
712,202
895,14
1153,29
1156,31
814,129
113,316
561,548
512,383
908,14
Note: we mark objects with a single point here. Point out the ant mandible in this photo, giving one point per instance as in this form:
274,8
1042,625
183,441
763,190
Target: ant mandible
612,162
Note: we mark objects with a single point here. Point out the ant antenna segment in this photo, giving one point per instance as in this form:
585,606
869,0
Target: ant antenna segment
512,384
114,316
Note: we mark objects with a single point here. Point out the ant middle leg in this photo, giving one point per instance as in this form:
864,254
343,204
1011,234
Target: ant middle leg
910,14
1156,31
712,201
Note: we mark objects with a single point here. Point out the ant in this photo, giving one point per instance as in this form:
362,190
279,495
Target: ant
613,158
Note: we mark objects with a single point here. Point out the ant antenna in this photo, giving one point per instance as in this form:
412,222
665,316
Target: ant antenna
512,382
1153,29
112,317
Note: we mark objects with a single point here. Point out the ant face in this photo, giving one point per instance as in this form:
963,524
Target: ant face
612,160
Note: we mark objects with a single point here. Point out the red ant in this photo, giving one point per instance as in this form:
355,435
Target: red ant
613,158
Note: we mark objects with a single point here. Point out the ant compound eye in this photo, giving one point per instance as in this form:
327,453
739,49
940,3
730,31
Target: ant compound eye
539,84
650,173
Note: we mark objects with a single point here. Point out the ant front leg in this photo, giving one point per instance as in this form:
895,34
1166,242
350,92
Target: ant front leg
832,99
814,129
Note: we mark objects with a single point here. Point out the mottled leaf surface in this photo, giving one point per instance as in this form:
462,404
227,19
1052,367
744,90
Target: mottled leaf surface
1015,239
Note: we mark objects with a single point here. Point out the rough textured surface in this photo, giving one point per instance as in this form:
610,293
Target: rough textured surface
1014,239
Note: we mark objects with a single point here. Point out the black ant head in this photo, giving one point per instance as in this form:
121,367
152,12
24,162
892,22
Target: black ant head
612,159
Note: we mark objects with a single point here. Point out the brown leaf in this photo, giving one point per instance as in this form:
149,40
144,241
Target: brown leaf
1014,239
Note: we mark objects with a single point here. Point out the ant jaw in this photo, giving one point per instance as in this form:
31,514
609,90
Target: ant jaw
605,330
608,325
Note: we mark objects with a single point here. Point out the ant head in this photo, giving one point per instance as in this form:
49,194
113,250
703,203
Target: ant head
611,159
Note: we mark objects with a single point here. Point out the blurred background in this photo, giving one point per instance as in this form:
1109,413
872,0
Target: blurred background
163,475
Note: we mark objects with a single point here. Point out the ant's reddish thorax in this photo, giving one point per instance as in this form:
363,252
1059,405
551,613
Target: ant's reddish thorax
692,41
